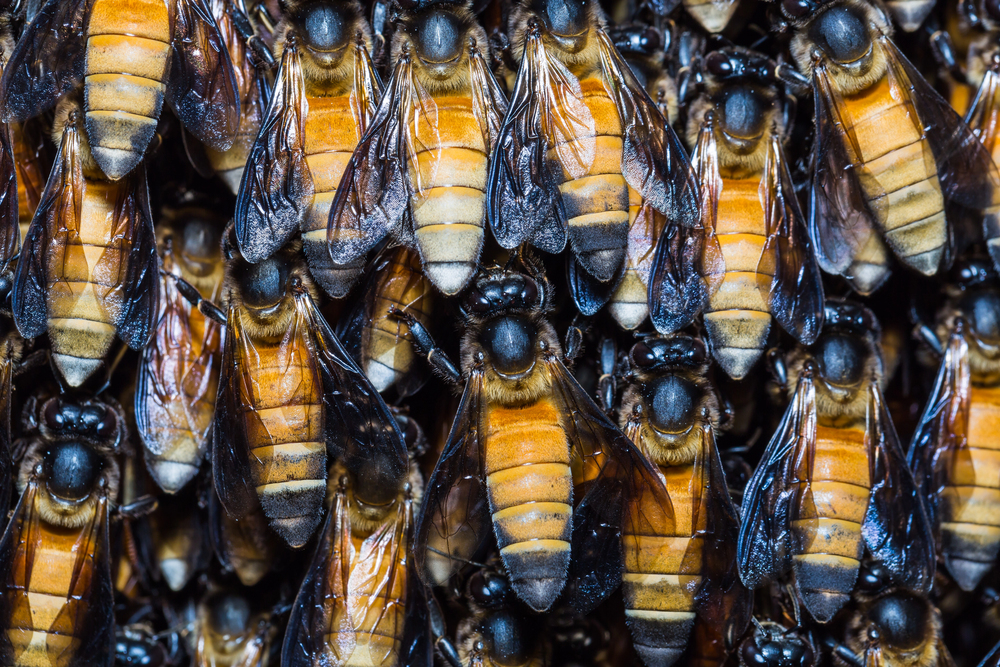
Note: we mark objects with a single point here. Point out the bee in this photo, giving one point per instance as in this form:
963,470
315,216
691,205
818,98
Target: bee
833,478
419,173
525,435
138,644
768,270
88,270
579,132
178,375
288,395
56,594
229,633
383,349
130,58
670,411
324,98
890,154
245,546
179,549
952,451
772,644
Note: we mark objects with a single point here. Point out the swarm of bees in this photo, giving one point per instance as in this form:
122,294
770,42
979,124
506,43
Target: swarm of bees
500,333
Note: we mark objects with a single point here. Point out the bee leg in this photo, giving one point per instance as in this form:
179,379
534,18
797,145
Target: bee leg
607,384
779,370
191,293
138,508
446,649
34,360
943,49
573,342
261,55
424,342
845,654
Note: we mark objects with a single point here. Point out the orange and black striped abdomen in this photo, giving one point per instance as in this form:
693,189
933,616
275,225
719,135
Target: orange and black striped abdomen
40,628
449,189
283,413
662,576
387,351
737,317
128,52
530,487
597,203
826,537
331,136
970,503
628,304
902,163
82,276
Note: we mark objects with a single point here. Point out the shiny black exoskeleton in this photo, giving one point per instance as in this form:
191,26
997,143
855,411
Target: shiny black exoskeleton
264,284
138,646
747,89
439,36
565,18
71,470
979,299
507,636
898,621
845,346
325,28
671,368
773,645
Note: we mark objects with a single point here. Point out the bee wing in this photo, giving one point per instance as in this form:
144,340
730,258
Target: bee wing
277,188
779,486
489,104
895,526
841,220
47,61
653,160
6,443
56,219
795,291
942,432
723,602
360,429
589,294
202,88
624,495
418,647
10,233
454,520
374,194
688,264
134,301
546,112
22,532
230,445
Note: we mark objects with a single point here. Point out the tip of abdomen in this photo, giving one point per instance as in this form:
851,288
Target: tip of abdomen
660,637
628,315
171,475
296,530
736,361
449,277
335,279
966,573
176,571
114,162
927,262
75,370
537,570
825,583
910,15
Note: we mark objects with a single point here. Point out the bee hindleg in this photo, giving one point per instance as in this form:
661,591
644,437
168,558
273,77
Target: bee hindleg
191,293
446,649
424,342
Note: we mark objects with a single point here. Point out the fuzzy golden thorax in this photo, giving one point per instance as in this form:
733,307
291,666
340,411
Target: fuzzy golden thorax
531,385
326,74
924,654
64,108
984,357
56,511
443,79
272,323
581,54
470,635
853,77
838,406
365,519
668,449
738,157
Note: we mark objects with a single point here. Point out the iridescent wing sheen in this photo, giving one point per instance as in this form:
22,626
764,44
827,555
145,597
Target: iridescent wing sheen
10,232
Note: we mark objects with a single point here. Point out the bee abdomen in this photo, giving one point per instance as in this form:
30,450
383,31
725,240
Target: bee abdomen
628,304
529,483
597,203
449,195
712,16
331,137
970,504
827,540
229,164
128,50
903,165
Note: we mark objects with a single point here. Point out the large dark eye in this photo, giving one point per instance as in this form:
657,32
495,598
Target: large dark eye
797,8
842,34
229,614
510,344
718,64
873,578
672,404
59,415
439,37
902,619
742,112
489,589
264,283
529,294
139,652
72,470
476,302
841,358
324,28
982,310
642,356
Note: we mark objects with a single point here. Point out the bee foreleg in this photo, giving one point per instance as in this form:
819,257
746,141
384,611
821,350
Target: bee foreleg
191,293
423,341
573,343
607,384
845,654
943,50
444,646
138,508
262,56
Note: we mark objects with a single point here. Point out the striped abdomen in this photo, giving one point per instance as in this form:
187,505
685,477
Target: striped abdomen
82,285
737,317
628,304
713,15
449,189
970,503
283,414
826,538
662,576
249,548
128,51
530,487
597,203
902,163
331,136
386,350
229,164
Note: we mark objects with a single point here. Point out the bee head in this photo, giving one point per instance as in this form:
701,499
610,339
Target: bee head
844,348
264,284
439,36
563,18
64,418
745,85
903,620
771,645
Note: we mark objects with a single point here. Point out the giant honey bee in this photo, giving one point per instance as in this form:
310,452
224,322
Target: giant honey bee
833,479
56,597
229,632
670,411
890,155
769,267
953,449
289,396
130,58
419,173
525,435
580,131
179,371
88,269
245,546
324,97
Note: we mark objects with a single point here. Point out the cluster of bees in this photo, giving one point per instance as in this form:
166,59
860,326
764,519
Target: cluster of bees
505,333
